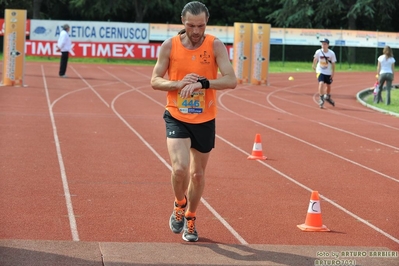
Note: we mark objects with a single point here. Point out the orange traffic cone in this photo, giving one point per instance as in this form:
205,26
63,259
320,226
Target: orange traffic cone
257,153
313,221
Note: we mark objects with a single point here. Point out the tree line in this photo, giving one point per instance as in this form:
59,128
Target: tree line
373,15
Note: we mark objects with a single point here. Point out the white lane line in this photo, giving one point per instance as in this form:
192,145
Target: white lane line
321,196
242,241
67,194
310,144
315,121
238,237
223,221
206,204
315,96
359,136
92,89
297,182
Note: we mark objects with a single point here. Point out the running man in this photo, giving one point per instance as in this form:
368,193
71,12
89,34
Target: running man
191,59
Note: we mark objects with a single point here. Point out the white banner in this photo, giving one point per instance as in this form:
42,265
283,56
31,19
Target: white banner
353,38
161,32
120,32
292,36
86,31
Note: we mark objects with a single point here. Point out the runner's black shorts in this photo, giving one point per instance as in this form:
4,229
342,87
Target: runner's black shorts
202,135
324,78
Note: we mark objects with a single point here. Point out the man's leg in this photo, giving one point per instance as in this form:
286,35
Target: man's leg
388,88
179,152
195,189
63,63
197,178
381,81
328,90
327,97
321,94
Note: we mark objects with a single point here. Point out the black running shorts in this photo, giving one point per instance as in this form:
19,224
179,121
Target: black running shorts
324,78
202,135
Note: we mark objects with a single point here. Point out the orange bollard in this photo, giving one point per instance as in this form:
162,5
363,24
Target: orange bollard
313,222
257,153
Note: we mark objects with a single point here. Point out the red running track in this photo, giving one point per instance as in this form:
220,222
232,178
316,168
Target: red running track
84,160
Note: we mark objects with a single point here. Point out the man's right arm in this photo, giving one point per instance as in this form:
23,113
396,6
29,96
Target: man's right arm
314,64
158,82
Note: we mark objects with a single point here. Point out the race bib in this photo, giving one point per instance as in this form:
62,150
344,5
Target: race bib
193,105
323,63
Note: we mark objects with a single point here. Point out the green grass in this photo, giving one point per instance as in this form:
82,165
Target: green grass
284,67
393,107
274,67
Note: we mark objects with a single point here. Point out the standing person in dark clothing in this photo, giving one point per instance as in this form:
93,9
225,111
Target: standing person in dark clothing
64,45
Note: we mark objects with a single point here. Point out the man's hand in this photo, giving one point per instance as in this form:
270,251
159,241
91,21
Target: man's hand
190,78
188,85
189,90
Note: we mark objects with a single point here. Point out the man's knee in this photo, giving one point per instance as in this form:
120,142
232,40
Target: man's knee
180,172
197,177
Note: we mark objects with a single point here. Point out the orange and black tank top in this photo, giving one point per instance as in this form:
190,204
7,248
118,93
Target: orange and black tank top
201,107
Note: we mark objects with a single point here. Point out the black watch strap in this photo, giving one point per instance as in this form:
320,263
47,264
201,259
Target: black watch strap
204,82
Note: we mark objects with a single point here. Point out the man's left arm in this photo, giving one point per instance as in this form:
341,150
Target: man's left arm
228,79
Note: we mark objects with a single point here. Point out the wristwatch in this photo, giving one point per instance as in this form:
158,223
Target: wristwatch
204,82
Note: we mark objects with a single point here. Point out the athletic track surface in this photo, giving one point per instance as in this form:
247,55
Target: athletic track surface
85,173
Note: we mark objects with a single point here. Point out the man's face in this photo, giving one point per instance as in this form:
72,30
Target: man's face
324,45
195,26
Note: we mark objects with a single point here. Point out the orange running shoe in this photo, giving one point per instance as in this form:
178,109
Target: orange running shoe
176,221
